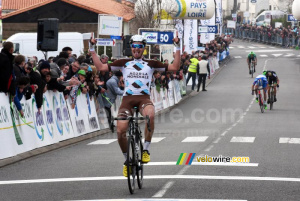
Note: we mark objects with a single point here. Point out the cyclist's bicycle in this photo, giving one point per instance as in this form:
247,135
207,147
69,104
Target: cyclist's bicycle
252,68
272,96
135,166
260,100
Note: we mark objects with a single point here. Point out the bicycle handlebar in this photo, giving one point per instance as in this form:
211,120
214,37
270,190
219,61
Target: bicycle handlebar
129,118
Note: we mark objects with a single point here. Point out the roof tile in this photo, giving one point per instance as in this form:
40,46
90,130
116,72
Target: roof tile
97,6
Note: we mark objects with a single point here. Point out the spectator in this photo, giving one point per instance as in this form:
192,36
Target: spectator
82,87
19,66
7,77
192,71
113,90
22,83
36,79
203,70
74,68
52,84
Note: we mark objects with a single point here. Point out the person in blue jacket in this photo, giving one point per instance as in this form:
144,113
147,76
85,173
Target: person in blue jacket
22,83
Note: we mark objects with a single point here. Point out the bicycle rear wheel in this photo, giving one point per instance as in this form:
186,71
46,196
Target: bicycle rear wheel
140,165
261,104
131,165
271,100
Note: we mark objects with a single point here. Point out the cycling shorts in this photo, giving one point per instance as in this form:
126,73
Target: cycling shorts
129,102
272,80
251,59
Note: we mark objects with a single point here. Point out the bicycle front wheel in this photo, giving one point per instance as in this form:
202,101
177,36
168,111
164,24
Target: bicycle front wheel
271,100
252,70
131,165
261,104
140,165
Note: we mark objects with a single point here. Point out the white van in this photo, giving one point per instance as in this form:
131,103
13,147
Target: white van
26,44
260,19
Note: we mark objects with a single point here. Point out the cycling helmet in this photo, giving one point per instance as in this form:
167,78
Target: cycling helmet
265,72
138,38
251,53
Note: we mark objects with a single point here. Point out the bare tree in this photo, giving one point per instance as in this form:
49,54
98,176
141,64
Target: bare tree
148,13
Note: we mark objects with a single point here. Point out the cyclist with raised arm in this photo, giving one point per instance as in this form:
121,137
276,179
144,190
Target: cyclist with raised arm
137,75
272,80
260,82
251,57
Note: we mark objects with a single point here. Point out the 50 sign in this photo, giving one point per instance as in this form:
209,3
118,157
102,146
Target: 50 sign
157,37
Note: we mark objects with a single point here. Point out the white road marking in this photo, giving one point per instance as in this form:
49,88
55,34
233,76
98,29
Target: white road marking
263,55
289,140
231,47
238,57
164,189
262,47
256,51
243,139
288,55
195,139
217,140
224,133
276,55
195,162
116,178
209,148
298,56
104,141
241,47
142,199
251,47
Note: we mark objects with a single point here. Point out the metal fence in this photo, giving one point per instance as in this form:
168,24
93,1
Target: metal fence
261,36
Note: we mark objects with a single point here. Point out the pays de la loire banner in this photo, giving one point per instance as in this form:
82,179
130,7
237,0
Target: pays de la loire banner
189,9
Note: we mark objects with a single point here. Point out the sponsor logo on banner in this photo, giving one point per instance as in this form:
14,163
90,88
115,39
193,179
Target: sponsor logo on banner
49,116
65,113
197,8
58,116
151,37
38,121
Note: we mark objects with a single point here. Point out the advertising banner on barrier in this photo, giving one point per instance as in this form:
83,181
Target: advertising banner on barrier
101,114
171,94
176,91
167,52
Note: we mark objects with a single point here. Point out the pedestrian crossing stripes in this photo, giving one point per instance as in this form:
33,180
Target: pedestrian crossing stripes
201,139
288,55
243,139
289,140
195,139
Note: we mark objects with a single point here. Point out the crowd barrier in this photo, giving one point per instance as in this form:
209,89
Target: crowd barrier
263,37
58,122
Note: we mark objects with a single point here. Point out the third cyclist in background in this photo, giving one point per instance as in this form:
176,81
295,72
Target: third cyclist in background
251,57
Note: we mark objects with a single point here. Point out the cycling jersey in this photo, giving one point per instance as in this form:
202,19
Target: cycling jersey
272,77
137,74
261,81
249,56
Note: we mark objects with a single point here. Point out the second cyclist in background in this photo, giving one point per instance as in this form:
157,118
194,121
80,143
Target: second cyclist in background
272,80
251,57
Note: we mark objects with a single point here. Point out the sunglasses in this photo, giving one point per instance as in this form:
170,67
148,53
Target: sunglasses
137,46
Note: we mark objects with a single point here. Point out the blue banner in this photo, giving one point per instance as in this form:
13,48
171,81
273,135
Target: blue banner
291,18
157,37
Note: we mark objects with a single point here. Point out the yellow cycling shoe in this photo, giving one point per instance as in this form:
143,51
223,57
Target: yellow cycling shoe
146,156
125,171
125,174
